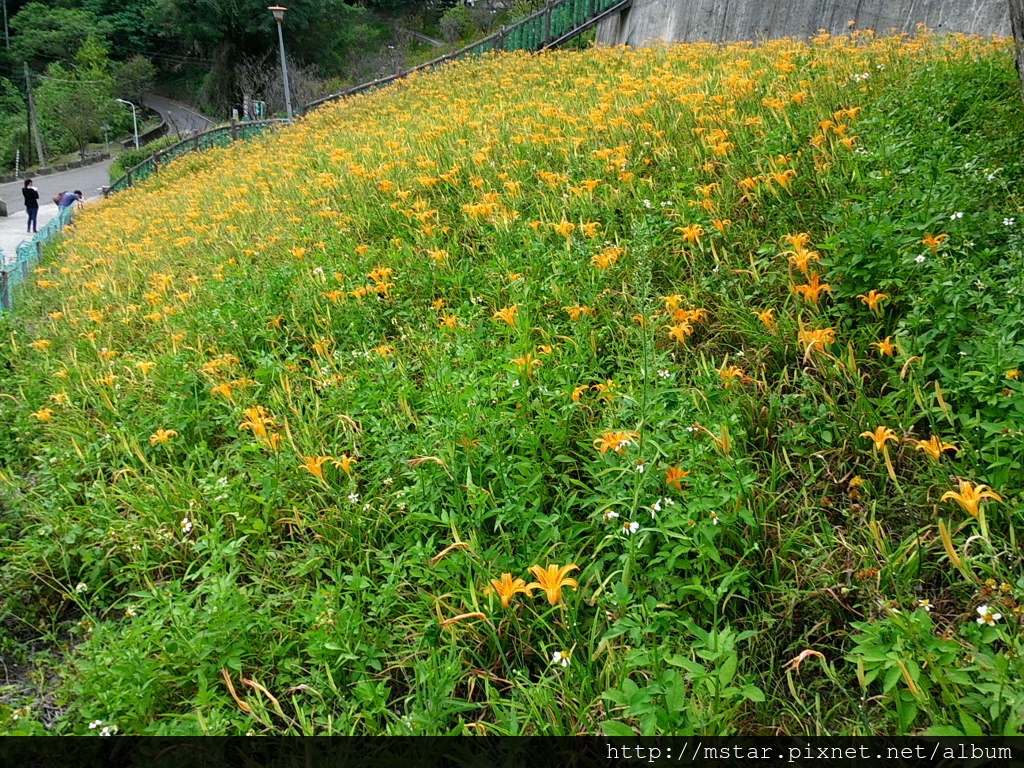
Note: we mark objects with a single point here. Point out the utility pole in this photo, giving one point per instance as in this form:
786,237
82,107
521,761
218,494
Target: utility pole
33,121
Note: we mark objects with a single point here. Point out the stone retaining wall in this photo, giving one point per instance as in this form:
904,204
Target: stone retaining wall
654,21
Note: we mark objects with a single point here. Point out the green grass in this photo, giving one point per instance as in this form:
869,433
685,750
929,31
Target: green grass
349,277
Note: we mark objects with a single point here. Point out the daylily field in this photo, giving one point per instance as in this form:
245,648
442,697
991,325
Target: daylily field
672,390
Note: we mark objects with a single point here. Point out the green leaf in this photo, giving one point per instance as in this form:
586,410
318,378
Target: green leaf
728,669
615,728
752,693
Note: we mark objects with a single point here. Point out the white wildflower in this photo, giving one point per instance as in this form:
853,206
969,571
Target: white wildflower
987,615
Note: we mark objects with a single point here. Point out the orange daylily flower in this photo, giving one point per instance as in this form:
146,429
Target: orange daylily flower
345,463
615,441
315,464
873,298
552,579
162,436
934,241
933,446
527,362
813,290
508,314
885,346
881,437
767,317
674,476
680,332
970,496
507,588
691,233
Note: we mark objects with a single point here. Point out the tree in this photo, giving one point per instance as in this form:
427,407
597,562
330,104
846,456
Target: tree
133,78
13,130
1017,24
40,34
317,32
75,102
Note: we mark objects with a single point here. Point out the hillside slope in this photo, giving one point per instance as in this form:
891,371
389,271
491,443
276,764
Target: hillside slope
543,394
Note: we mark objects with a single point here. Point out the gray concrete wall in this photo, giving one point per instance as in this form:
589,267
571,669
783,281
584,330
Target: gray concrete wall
652,21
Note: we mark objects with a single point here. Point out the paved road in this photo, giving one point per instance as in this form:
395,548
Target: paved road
182,118
12,229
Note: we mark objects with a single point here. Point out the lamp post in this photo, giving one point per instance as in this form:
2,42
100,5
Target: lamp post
135,120
278,12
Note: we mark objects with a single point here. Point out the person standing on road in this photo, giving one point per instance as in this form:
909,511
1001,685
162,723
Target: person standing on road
31,195
69,198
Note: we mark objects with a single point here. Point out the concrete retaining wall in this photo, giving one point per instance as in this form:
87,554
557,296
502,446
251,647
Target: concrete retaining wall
653,21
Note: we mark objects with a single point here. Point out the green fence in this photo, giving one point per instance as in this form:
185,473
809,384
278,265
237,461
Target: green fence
217,137
554,24
27,256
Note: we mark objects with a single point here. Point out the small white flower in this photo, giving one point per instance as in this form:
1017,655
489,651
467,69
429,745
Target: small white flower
95,724
515,383
668,502
186,526
630,528
353,497
610,514
921,259
319,271
640,467
987,615
714,518
647,203
130,612
957,215
979,285
81,587
388,480
656,506
926,604
664,374
1008,222
560,657
108,730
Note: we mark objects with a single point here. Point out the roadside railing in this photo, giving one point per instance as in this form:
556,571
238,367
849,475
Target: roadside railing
27,256
215,137
555,24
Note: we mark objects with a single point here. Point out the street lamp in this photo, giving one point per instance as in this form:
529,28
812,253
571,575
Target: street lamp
278,12
135,120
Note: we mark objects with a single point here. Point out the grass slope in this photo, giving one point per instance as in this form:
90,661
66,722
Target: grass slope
697,327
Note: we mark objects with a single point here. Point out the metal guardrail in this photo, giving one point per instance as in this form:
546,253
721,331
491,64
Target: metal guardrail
555,24
215,137
27,255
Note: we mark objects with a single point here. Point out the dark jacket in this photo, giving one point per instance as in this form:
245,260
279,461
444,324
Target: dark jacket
31,197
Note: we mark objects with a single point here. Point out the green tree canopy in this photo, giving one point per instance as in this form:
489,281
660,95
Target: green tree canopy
41,34
75,101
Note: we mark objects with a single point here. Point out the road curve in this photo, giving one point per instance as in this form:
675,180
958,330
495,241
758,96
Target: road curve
181,118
